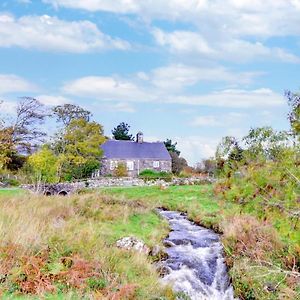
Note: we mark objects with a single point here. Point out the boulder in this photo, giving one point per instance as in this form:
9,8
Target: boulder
132,243
158,253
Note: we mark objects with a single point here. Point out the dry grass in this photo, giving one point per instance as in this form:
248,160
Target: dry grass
246,236
55,245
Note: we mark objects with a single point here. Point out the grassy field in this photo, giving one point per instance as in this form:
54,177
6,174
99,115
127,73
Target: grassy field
11,192
64,248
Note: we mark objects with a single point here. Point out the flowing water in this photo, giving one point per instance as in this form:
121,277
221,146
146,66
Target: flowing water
195,263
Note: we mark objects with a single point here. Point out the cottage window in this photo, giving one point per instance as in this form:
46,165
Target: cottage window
156,164
113,164
130,165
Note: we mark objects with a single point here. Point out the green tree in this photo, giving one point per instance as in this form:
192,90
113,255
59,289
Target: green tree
81,153
294,115
265,143
68,112
121,132
229,154
178,163
42,166
171,147
226,147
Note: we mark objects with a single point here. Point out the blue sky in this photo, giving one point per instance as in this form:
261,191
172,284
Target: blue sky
190,70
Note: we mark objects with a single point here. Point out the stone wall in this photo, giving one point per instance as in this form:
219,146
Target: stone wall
64,189
129,181
138,166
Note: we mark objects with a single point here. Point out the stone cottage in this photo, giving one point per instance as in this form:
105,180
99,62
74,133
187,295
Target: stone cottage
136,155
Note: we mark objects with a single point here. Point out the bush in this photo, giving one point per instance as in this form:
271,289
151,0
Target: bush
9,182
121,170
149,174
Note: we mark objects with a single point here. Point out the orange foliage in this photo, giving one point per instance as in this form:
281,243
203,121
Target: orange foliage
32,276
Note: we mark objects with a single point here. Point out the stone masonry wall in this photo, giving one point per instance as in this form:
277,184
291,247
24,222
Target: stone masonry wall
138,166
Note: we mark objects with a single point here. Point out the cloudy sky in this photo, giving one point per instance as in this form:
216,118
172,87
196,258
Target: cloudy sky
190,70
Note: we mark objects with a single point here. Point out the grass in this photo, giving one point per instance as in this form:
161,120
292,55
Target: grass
71,240
11,192
53,246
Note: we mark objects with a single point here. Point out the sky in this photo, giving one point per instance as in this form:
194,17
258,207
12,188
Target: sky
190,70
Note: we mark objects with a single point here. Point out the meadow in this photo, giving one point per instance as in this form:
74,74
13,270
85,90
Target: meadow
64,247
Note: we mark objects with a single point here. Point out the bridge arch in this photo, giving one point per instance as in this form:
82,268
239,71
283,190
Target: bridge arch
62,193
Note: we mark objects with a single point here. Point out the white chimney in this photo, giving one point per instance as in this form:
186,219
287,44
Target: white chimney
139,137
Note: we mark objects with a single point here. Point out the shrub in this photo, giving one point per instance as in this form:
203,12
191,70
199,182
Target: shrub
121,170
148,174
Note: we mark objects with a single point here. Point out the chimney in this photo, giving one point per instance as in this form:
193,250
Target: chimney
139,137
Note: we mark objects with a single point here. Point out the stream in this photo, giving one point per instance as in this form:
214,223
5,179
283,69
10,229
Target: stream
195,265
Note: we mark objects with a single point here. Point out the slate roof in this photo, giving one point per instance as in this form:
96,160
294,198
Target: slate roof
133,150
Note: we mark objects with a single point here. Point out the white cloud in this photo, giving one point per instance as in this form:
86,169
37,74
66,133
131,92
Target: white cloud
125,90
50,100
224,48
223,120
52,34
118,107
8,107
177,76
105,88
195,148
183,42
210,121
234,30
233,98
123,107
234,17
10,83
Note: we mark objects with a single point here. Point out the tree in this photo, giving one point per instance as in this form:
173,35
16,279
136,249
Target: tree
23,132
178,163
265,143
26,129
121,132
6,146
42,166
226,147
229,153
68,112
81,153
208,165
294,115
171,147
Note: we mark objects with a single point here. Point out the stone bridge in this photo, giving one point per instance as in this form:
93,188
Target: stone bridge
61,189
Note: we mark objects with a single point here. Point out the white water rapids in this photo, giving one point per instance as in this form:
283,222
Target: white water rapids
195,263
